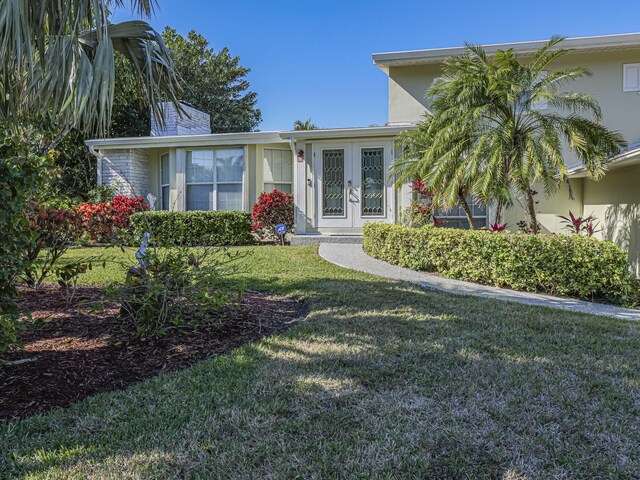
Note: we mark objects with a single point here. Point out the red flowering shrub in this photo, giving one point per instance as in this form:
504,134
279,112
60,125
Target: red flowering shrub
271,209
55,230
104,220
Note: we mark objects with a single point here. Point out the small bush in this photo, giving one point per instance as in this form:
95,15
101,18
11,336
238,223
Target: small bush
194,228
270,210
109,221
21,164
570,265
176,287
56,230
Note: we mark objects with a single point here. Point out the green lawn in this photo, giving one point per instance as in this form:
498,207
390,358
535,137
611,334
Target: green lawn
383,380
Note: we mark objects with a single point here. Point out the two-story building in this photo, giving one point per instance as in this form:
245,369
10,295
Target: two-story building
339,176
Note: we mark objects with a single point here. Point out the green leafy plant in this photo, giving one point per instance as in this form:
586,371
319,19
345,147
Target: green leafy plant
568,265
194,228
176,287
20,166
69,273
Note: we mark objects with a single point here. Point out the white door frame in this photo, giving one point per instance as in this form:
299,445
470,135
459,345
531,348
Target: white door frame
352,171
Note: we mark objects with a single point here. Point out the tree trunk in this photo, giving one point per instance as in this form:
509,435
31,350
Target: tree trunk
531,206
465,206
498,216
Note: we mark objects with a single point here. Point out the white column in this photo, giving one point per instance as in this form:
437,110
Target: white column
245,179
300,189
181,177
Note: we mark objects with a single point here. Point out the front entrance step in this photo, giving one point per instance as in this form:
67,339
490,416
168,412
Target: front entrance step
316,239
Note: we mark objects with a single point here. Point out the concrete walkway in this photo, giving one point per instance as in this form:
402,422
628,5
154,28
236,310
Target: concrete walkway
353,257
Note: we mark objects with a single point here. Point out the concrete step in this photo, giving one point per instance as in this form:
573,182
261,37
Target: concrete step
317,239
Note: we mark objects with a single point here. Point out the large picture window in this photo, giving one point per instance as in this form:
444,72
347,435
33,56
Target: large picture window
164,181
278,170
214,179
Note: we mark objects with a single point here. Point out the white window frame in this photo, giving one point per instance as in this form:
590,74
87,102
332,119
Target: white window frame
264,163
215,183
625,87
162,185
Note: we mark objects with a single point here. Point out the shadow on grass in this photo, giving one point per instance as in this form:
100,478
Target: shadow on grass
383,379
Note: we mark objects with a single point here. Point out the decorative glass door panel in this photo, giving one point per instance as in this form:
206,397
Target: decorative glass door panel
333,191
351,185
372,182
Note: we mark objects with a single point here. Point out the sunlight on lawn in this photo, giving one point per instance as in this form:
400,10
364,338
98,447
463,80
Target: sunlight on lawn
383,379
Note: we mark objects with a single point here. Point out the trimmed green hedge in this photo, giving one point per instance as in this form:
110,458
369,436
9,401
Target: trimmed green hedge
195,228
570,265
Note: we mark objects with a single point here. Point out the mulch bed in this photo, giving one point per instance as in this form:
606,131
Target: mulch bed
78,353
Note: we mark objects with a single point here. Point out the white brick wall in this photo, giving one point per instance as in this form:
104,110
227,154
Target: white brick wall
128,170
196,122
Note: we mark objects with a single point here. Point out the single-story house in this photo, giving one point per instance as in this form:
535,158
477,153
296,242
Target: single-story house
339,176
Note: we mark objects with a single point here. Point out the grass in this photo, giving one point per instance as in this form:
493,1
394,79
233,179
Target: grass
383,380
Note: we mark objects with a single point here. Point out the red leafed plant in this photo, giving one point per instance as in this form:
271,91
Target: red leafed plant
496,227
573,224
103,220
270,210
418,186
439,222
55,230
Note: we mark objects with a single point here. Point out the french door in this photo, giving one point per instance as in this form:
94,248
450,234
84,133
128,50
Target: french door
351,183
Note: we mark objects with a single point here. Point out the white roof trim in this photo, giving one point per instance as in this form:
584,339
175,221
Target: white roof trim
242,138
631,156
386,131
245,138
435,55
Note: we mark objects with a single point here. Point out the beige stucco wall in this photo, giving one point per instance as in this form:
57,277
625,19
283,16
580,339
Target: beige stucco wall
620,110
615,202
548,207
407,88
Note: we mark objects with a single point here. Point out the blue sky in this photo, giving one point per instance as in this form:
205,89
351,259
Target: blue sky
313,59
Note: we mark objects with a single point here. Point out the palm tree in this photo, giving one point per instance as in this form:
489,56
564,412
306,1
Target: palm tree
498,126
58,61
304,125
450,188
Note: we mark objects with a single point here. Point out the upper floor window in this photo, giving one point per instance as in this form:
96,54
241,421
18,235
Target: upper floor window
278,170
214,179
631,77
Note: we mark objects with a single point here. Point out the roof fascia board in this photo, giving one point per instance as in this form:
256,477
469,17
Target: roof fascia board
187,140
628,157
385,60
347,132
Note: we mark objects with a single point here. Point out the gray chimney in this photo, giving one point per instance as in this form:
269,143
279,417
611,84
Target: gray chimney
193,122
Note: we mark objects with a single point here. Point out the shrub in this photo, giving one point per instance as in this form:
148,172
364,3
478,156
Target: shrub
20,165
106,222
194,228
270,210
569,265
176,287
56,230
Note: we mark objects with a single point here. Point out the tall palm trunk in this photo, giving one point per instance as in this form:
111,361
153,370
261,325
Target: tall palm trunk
462,201
498,217
531,207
